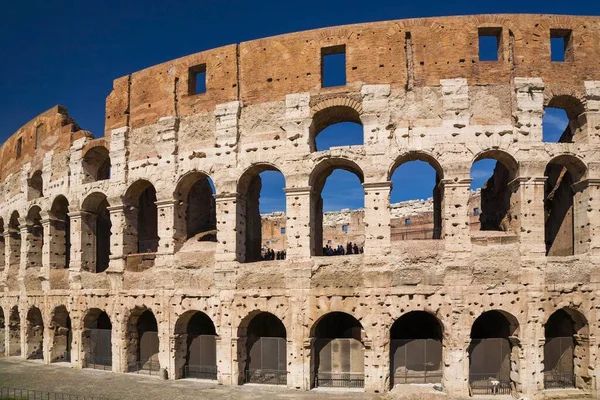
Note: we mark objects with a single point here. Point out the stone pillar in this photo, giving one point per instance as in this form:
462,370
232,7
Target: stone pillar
166,210
118,154
589,121
527,203
455,100
297,224
82,244
376,118
586,210
529,109
123,240
455,214
297,124
226,226
226,127
377,355
47,253
377,218
456,366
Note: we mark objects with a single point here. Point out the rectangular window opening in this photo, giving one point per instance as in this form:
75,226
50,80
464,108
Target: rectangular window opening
407,221
476,211
344,228
282,231
19,148
333,66
561,45
490,44
197,79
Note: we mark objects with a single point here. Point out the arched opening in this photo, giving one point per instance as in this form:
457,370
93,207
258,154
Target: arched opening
35,237
337,209
62,335
96,340
416,349
60,227
490,199
35,187
560,207
261,190
492,356
2,246
416,198
262,350
196,207
96,232
338,352
2,333
34,335
142,216
14,332
566,350
335,126
14,233
96,164
195,346
560,123
142,342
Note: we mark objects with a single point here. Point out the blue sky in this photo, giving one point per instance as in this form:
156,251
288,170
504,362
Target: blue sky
68,52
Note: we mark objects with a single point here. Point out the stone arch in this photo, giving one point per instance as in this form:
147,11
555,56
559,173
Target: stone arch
566,350
34,334
497,211
565,225
262,349
249,224
494,354
97,340
95,233
96,164
14,332
35,237
317,180
338,351
196,207
195,346
35,186
416,349
437,192
61,335
142,216
330,112
142,346
60,233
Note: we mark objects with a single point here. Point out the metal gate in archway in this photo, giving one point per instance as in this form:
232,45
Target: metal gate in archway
559,370
489,366
202,358
266,361
100,350
148,348
416,361
339,363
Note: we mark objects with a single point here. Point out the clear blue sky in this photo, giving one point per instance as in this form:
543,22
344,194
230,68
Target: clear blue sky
68,52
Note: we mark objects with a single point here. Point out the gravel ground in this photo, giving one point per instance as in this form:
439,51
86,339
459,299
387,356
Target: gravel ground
61,378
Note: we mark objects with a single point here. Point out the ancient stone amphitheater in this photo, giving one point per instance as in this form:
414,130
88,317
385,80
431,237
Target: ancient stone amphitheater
102,265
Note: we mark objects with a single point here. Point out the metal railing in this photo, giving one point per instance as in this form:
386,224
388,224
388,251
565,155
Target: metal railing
102,363
200,372
148,368
483,384
340,380
416,234
559,380
266,376
27,394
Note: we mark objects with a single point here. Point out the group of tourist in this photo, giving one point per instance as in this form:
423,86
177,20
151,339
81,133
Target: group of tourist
270,254
351,248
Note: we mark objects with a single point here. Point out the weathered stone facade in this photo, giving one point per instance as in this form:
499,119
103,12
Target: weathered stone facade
106,243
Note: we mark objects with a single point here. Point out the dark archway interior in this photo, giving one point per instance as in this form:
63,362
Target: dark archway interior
491,324
148,346
495,201
36,186
559,211
97,340
14,332
96,164
201,212
35,335
559,351
201,348
264,358
62,229
338,325
416,325
147,221
103,233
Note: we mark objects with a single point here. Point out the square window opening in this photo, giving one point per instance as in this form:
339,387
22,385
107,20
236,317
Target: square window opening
282,231
476,211
197,79
344,228
561,47
490,46
407,221
333,66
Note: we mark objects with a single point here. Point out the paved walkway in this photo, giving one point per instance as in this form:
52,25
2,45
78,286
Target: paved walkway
61,378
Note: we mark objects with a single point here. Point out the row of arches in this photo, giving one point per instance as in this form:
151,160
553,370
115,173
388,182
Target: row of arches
338,342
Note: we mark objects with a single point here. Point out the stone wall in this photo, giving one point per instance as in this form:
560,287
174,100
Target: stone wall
420,92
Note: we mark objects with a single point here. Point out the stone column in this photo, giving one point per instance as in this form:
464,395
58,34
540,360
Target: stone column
48,232
456,366
589,121
377,355
123,240
586,210
226,226
455,214
377,218
527,203
166,210
297,224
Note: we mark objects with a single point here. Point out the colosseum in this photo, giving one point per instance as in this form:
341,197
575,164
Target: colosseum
140,251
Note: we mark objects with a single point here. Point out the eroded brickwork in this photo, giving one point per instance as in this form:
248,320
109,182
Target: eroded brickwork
420,92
